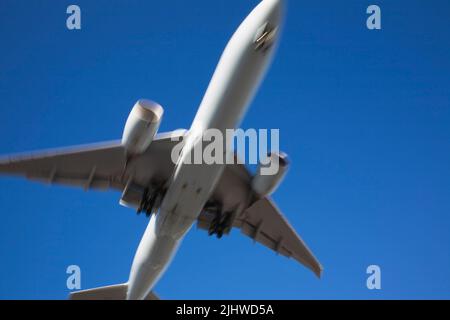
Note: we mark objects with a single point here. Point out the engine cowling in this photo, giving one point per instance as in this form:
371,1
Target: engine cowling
141,126
269,175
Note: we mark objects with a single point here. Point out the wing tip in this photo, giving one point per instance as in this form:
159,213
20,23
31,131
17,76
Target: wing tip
319,271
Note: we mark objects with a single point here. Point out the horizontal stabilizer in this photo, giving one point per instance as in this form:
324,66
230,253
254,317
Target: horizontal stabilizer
114,292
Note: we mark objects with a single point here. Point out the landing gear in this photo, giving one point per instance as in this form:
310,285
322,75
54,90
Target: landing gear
151,201
221,221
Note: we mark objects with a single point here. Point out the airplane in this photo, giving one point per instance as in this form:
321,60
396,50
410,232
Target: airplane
218,197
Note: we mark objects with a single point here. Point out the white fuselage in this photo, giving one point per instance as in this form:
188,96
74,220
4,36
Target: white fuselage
229,93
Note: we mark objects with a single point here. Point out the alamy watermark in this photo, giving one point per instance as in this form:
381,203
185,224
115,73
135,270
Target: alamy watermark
374,20
73,21
374,280
214,146
74,279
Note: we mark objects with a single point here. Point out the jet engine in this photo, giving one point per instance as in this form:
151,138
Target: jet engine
270,174
141,126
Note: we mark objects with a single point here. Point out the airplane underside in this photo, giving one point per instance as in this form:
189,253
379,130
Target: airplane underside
171,192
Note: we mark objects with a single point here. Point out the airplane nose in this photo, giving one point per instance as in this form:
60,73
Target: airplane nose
274,9
271,14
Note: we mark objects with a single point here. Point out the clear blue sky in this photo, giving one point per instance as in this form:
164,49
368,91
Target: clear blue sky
364,115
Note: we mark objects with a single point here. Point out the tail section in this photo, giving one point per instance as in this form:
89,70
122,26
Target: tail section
114,292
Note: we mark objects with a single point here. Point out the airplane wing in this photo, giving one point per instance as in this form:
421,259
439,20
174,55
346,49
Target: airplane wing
264,223
257,218
104,166
96,166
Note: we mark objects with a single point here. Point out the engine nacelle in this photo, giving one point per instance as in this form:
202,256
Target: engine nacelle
269,175
141,126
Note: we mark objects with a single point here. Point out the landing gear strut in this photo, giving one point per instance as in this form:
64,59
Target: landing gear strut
151,201
220,222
